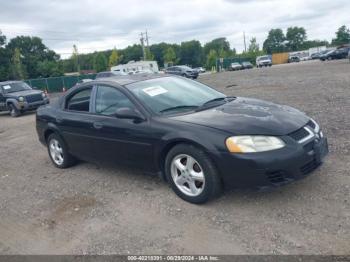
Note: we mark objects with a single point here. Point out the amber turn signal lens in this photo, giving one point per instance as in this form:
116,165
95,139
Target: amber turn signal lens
232,147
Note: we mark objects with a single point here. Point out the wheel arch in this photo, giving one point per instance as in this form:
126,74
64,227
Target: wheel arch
171,144
51,128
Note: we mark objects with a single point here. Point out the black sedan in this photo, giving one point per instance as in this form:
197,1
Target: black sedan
340,53
194,137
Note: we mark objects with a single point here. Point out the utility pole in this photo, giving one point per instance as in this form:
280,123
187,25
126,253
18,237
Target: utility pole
245,45
142,40
147,39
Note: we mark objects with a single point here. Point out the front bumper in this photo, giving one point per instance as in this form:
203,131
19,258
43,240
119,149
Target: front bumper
274,168
25,106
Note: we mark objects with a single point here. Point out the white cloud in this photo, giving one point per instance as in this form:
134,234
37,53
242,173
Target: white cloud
99,25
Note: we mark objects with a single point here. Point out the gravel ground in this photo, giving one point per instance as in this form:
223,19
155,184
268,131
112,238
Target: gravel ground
91,209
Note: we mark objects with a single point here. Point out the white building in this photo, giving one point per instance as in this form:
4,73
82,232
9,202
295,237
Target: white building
132,67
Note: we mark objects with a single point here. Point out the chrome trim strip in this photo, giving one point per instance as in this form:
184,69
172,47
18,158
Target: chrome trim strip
310,136
317,127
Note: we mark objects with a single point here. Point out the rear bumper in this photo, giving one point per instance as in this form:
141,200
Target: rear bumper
271,169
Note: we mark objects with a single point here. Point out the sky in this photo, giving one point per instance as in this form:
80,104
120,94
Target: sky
100,25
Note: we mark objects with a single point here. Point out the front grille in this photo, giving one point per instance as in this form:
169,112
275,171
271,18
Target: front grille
34,98
309,167
276,177
299,134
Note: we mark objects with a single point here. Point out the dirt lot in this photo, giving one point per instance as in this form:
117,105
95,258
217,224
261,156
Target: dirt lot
103,210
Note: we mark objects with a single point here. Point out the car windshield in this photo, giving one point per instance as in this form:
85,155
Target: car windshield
235,64
173,94
185,68
264,58
15,87
246,63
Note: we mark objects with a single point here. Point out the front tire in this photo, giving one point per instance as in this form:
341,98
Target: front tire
58,152
191,174
14,112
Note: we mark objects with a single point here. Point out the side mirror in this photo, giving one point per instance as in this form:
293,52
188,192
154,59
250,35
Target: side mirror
128,113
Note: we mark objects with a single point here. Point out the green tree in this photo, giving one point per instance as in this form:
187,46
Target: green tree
275,41
253,46
148,54
211,59
313,43
296,36
17,69
191,53
48,68
113,58
133,52
100,62
342,36
5,58
2,39
217,45
169,55
32,52
75,59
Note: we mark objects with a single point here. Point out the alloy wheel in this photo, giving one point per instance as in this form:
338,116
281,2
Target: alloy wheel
56,152
187,175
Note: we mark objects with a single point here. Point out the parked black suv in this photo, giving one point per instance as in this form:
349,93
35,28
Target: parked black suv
183,70
17,97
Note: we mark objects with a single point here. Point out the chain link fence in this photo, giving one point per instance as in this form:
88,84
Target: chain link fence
57,84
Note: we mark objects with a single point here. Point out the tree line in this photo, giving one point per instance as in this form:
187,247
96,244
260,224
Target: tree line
27,57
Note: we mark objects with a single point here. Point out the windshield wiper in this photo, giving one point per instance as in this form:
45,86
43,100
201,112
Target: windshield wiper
218,99
178,107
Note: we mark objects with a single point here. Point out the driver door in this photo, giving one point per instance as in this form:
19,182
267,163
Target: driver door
120,140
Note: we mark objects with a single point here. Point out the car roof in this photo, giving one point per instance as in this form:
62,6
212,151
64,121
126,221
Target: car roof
129,79
10,82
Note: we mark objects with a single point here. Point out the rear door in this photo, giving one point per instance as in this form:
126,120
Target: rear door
75,122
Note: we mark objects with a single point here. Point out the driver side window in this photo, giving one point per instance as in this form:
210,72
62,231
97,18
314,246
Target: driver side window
109,100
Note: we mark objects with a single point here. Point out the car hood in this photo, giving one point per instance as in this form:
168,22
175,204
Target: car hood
246,116
265,61
24,93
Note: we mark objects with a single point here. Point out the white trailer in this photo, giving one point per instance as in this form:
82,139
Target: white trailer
134,67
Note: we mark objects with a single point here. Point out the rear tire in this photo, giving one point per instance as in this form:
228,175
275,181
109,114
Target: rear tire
14,112
58,152
192,174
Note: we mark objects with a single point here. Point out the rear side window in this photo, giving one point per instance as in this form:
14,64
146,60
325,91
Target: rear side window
80,101
109,99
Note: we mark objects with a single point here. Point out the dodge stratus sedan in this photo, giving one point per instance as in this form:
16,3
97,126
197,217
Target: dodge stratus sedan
196,138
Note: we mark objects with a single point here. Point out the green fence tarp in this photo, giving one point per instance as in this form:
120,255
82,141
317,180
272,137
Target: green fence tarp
56,84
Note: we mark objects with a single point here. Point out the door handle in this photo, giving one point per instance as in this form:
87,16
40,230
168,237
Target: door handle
97,125
59,120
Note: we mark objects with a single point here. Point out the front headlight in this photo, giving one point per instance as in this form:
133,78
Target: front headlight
21,99
43,95
252,144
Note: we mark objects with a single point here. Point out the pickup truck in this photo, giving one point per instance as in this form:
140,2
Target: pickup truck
263,61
